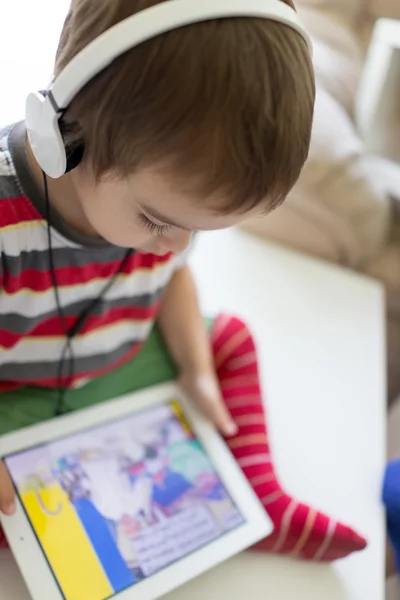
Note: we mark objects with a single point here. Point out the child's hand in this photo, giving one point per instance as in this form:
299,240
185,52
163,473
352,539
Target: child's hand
7,494
187,340
203,388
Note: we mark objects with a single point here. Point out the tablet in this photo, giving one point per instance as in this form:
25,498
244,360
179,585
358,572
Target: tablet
128,499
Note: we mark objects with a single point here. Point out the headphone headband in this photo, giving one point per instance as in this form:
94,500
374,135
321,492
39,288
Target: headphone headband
154,21
42,114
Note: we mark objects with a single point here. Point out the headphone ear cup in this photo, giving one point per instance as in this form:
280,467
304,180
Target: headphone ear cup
74,157
73,153
44,135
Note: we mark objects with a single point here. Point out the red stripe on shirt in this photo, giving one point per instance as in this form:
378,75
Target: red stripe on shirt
40,281
17,210
54,325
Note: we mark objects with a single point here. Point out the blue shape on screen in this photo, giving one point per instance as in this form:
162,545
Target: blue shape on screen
172,487
98,531
217,493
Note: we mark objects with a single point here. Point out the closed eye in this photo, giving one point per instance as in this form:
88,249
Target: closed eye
153,227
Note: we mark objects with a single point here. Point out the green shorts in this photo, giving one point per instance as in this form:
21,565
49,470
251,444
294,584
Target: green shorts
30,405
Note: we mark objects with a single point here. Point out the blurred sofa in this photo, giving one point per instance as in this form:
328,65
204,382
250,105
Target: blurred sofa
393,584
340,210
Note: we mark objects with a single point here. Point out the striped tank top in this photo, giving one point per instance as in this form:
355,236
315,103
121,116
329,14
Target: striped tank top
32,335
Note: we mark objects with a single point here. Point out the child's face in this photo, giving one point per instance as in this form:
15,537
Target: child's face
148,211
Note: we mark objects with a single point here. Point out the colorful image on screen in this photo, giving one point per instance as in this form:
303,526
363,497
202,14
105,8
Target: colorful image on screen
112,505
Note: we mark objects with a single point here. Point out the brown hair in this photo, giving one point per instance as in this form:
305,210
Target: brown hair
227,105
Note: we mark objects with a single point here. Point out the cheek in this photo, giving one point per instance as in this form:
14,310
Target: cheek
112,221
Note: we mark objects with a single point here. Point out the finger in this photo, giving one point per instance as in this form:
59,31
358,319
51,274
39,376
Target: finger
7,495
215,409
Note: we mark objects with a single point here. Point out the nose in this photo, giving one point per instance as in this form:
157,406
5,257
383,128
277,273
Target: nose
178,242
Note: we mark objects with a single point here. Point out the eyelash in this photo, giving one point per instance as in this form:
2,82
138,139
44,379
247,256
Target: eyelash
153,227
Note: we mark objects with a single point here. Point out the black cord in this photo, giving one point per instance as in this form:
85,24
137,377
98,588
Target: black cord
67,351
67,347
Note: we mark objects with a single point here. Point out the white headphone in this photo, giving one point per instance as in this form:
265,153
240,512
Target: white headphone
43,111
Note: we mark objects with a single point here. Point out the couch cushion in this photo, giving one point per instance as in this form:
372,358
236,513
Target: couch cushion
338,55
349,9
340,176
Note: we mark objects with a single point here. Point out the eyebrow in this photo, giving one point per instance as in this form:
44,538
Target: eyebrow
160,217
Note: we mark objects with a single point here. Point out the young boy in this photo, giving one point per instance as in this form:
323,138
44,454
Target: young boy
196,129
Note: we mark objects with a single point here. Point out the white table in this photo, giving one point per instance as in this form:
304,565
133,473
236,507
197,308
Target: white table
321,337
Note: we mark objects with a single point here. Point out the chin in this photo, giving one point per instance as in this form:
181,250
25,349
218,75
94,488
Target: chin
155,252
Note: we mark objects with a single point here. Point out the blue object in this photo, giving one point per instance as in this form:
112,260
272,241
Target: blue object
98,532
391,498
217,493
172,487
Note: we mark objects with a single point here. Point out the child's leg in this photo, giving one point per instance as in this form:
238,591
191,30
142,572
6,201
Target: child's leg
24,407
28,406
299,530
151,365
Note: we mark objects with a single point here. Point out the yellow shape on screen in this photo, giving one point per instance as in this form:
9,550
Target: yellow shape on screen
66,545
176,408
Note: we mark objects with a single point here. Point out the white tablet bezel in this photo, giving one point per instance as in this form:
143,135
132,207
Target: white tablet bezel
30,557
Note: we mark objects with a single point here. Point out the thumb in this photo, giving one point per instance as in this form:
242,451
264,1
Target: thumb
7,494
205,391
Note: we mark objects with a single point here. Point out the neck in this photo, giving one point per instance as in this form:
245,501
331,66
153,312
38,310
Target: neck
62,196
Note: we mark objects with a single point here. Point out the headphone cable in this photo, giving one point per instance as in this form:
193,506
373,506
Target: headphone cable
63,384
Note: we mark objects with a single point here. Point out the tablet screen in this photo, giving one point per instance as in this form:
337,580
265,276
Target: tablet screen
114,504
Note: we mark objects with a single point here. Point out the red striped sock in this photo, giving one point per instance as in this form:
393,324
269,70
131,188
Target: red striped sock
299,530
